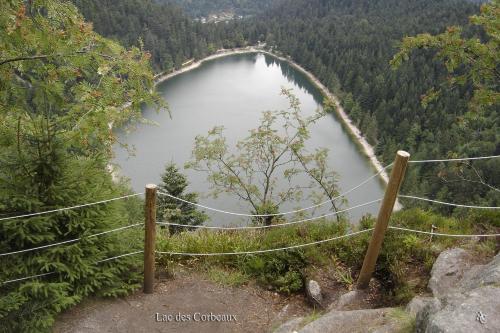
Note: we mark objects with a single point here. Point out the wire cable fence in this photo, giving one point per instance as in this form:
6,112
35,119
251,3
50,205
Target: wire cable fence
268,250
284,213
50,273
258,251
320,242
69,208
273,225
432,233
70,241
456,159
446,203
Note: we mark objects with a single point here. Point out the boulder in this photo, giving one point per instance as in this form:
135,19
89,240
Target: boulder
474,311
391,327
352,322
427,311
448,270
483,275
417,304
467,297
350,300
290,326
313,291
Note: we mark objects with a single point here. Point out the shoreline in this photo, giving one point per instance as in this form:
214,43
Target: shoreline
366,148
161,77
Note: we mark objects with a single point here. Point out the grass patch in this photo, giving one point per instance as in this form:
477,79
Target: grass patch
343,274
311,317
403,266
405,320
231,278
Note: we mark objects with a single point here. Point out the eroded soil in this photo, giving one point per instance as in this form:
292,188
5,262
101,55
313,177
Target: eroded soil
246,309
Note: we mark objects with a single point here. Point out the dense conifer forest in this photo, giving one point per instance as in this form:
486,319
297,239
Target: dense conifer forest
203,8
348,46
164,30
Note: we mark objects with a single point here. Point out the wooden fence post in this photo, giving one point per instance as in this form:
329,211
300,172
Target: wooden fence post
149,239
384,214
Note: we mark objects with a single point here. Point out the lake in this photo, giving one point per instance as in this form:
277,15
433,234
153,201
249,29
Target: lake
233,91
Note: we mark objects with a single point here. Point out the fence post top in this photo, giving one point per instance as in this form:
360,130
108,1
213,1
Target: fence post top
151,186
403,153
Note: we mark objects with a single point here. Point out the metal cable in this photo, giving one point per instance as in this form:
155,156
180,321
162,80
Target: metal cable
49,273
441,234
278,214
447,203
69,241
120,256
271,225
28,277
456,159
68,208
268,250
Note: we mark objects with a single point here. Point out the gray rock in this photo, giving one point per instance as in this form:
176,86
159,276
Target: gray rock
350,299
483,275
448,270
290,326
350,321
313,292
417,304
428,310
464,292
460,313
392,327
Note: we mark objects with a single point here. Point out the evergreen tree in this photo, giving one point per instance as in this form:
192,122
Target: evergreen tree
175,211
61,85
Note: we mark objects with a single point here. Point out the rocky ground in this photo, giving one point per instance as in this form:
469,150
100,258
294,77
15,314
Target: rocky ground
184,304
464,296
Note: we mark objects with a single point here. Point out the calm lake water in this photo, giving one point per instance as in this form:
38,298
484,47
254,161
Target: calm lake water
233,91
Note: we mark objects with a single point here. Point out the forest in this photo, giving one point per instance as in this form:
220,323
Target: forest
164,30
348,46
203,8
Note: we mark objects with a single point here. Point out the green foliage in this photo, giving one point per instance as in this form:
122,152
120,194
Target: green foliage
61,88
344,275
76,272
267,208
405,321
403,266
311,317
175,211
232,278
163,29
348,45
266,155
281,271
470,60
406,259
204,8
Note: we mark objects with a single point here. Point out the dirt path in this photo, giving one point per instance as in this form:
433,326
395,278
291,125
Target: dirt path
244,309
